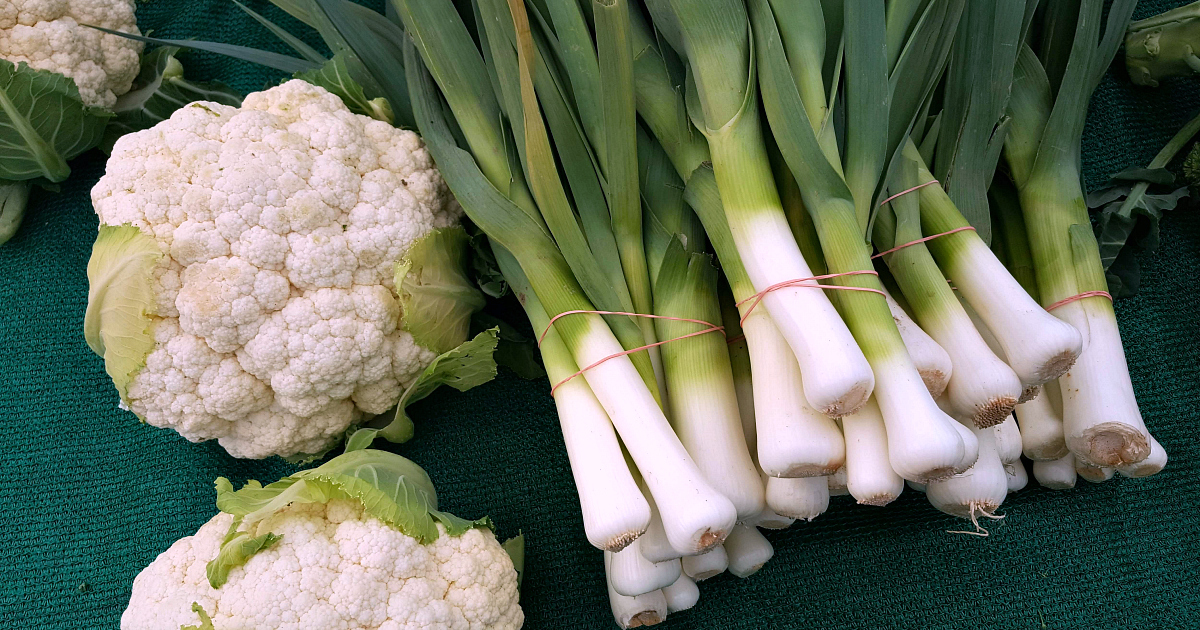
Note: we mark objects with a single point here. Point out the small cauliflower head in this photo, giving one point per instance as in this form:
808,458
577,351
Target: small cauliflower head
50,35
244,280
309,556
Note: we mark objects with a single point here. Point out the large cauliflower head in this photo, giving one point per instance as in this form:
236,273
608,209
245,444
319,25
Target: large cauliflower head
50,35
264,239
330,564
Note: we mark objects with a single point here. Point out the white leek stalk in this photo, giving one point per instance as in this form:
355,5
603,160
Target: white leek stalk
631,574
798,498
700,567
694,514
981,385
1041,425
647,609
977,492
1008,440
1056,474
653,544
932,361
1155,462
770,519
837,483
919,487
1094,474
615,511
1018,477
681,595
700,386
792,438
739,359
748,550
870,478
970,447
1038,346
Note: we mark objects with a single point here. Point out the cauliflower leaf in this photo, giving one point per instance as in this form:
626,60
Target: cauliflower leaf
43,123
205,621
117,324
391,488
436,296
158,91
236,549
470,364
335,76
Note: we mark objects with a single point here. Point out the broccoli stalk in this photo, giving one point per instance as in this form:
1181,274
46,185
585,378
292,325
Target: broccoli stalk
1165,45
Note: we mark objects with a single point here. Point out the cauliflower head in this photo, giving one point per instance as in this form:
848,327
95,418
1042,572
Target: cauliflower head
244,281
50,35
332,564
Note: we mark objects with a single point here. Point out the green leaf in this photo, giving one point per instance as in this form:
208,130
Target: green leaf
14,196
462,368
1127,222
205,621
297,44
514,351
391,488
483,263
43,123
234,553
121,300
253,55
515,548
1191,166
335,77
158,91
436,296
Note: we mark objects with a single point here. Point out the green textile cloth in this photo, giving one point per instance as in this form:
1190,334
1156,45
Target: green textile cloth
90,496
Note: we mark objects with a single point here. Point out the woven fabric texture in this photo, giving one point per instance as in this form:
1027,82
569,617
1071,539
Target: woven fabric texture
90,496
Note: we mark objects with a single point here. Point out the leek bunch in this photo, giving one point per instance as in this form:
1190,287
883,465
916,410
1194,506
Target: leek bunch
778,251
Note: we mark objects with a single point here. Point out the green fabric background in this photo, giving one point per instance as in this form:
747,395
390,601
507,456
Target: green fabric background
89,496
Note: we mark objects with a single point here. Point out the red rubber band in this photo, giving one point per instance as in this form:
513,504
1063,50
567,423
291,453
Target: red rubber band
1074,298
733,340
905,192
964,228
711,328
799,282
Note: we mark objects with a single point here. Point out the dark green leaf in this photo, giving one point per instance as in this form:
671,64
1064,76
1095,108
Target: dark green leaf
1159,176
158,91
514,351
296,43
515,548
253,55
43,123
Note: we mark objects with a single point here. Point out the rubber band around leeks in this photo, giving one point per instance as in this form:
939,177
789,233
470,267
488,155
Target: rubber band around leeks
711,328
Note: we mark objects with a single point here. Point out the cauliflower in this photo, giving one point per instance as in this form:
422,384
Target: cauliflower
326,561
50,35
268,275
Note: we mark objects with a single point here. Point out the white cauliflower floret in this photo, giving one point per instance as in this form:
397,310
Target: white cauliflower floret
334,567
279,224
50,35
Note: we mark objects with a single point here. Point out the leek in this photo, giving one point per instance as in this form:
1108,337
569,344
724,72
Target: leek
1101,420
